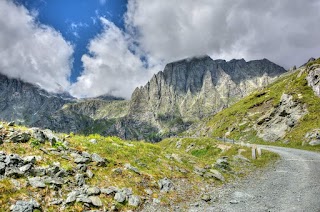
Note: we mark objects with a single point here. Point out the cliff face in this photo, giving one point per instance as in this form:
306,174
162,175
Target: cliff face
26,103
191,89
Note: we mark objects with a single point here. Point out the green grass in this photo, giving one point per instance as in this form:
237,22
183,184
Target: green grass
240,118
155,161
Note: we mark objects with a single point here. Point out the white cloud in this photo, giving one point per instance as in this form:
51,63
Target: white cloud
110,68
33,52
284,31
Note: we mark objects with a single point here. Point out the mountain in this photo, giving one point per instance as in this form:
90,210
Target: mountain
287,112
191,89
26,103
185,92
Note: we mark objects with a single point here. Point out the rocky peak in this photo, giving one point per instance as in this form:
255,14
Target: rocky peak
190,89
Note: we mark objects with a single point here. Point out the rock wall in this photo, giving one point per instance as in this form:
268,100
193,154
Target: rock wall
191,89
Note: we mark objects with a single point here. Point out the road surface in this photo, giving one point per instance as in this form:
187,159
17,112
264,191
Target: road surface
293,184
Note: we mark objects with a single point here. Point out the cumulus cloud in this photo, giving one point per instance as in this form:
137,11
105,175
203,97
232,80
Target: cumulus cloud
111,67
284,31
31,51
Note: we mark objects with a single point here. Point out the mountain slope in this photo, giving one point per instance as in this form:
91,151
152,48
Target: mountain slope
286,112
26,103
191,89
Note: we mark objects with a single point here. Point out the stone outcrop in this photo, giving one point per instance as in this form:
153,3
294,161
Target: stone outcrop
275,124
313,78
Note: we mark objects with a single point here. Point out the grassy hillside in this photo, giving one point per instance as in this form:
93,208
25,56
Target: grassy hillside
175,159
241,120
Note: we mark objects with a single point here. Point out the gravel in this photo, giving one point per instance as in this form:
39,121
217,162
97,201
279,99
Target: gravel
292,184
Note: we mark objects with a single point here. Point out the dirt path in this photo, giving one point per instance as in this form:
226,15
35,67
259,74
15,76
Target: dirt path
293,184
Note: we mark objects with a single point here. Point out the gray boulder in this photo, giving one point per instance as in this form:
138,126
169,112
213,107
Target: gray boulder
37,182
80,181
134,200
120,197
165,185
98,159
95,201
93,191
24,206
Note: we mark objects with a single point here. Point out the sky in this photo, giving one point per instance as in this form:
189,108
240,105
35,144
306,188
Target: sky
95,47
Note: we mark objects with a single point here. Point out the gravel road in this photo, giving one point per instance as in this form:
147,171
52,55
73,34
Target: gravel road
292,184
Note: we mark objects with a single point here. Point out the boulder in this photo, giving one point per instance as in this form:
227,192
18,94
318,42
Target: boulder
93,191
95,201
134,201
72,196
131,168
25,206
165,185
98,159
80,181
37,182
109,190
120,197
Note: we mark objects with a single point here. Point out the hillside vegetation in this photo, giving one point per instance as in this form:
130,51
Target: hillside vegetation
53,172
265,108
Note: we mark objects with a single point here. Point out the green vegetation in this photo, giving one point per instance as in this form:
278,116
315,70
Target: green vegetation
174,158
240,119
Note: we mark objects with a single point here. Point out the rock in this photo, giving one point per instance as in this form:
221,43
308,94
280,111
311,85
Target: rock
234,201
24,206
93,141
11,124
134,200
93,191
216,174
56,202
222,163
16,184
26,168
148,191
39,171
2,168
313,79
96,201
165,185
199,171
80,181
98,159
117,171
206,197
86,154
72,196
82,167
52,138
109,190
120,197
30,159
314,142
131,168
13,160
20,137
89,174
36,182
82,160
275,124
38,135
84,199
13,172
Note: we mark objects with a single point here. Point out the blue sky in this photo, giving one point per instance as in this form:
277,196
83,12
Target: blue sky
78,21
